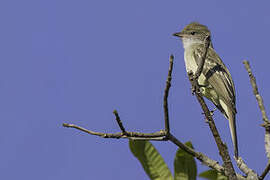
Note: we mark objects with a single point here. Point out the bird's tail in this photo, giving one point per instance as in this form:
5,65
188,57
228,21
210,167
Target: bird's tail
232,124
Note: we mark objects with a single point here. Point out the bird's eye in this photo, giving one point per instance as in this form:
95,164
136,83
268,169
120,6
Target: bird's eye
192,33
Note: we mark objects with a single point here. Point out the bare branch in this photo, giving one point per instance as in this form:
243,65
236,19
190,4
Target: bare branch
162,135
158,136
245,169
135,135
256,92
266,123
200,156
166,94
266,170
119,122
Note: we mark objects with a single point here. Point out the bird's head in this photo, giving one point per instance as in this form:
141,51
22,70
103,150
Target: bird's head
194,30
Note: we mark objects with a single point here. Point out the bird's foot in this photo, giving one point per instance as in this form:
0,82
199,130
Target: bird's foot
195,88
212,111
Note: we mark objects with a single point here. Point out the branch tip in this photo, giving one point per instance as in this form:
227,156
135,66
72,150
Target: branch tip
245,62
65,125
171,57
266,170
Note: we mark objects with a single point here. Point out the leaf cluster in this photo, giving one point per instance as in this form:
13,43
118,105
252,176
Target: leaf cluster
185,167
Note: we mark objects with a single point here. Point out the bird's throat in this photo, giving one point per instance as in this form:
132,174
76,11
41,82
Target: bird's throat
187,42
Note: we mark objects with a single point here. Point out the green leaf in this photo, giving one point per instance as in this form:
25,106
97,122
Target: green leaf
184,165
212,175
150,159
209,174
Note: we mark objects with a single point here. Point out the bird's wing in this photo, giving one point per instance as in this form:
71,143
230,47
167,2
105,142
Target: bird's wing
217,75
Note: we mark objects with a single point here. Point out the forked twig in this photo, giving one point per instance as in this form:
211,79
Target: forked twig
162,135
266,123
250,173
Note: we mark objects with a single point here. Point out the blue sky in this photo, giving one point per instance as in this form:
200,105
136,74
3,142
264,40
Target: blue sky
76,61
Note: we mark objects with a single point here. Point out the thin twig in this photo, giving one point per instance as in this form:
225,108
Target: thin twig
200,156
251,174
266,123
166,94
256,92
267,141
158,136
153,136
119,122
266,170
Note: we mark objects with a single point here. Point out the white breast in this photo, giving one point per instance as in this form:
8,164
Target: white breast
190,62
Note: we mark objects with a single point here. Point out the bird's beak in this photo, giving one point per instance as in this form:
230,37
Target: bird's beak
178,34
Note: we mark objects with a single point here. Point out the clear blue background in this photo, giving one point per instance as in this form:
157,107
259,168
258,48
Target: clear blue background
76,61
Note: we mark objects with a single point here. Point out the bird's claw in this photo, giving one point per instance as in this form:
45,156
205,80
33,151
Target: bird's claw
212,111
195,88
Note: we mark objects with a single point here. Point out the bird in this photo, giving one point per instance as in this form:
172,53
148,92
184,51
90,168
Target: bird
215,81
